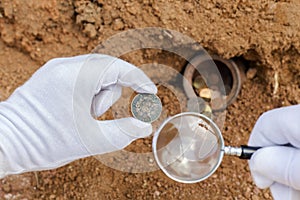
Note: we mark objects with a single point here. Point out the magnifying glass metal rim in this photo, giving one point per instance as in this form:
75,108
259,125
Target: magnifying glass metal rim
218,132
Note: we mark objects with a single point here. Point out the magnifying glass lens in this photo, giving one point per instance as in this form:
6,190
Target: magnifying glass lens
188,147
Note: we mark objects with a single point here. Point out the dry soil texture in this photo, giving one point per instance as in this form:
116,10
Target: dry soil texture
265,33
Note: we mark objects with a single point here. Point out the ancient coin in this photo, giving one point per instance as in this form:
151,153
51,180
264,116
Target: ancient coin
199,82
205,93
146,107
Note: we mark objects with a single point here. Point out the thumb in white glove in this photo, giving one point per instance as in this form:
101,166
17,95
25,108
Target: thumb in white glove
48,121
274,165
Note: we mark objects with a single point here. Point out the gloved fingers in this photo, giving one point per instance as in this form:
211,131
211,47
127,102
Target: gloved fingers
121,132
260,180
276,164
126,74
277,127
280,192
105,99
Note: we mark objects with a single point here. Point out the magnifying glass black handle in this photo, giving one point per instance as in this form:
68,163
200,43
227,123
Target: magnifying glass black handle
247,151
244,151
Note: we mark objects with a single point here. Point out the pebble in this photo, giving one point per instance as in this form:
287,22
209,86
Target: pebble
6,188
266,195
8,196
255,197
158,184
118,24
251,73
145,185
128,195
90,30
156,193
214,176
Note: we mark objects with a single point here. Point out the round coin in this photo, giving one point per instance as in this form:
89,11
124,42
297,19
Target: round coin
146,107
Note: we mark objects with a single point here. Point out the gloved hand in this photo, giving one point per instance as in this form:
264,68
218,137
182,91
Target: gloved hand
48,122
277,166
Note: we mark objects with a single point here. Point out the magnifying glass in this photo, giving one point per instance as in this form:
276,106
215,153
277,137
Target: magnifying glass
189,147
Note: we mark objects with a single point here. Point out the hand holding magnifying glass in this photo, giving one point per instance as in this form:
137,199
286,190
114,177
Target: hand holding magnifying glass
275,166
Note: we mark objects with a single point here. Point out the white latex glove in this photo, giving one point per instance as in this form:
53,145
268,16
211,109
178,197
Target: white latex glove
47,122
275,166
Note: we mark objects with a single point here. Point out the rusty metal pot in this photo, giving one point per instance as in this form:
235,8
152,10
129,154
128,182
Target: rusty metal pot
221,75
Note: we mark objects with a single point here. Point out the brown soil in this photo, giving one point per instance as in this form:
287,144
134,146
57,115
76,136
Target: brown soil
264,33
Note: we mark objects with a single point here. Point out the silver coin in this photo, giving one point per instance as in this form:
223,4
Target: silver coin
146,107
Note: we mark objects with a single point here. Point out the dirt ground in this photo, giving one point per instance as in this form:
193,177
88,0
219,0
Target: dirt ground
265,33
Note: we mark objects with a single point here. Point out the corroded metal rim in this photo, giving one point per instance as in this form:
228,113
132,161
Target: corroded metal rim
233,67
